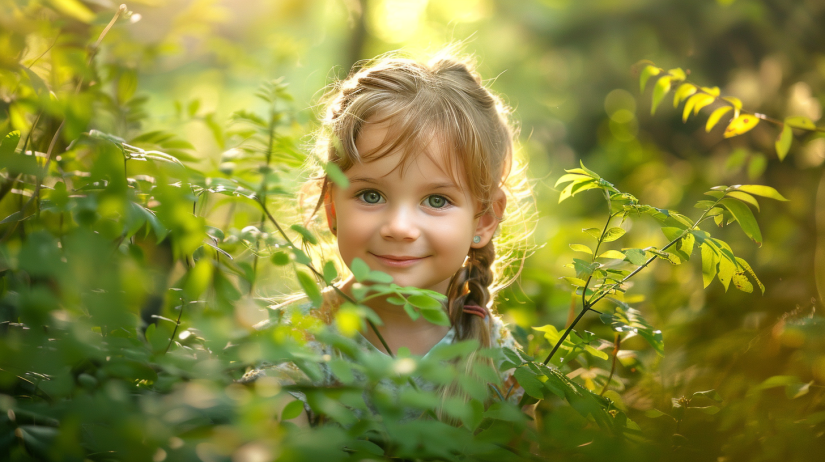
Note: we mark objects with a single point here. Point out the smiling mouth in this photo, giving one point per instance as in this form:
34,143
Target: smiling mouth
397,261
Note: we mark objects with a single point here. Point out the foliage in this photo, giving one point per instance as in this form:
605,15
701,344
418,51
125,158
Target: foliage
133,264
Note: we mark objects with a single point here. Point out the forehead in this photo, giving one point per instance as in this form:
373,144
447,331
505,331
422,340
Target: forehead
379,147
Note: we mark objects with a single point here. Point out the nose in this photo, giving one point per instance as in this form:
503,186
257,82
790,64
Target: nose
400,224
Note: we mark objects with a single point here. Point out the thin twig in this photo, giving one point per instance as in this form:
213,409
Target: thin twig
616,348
177,323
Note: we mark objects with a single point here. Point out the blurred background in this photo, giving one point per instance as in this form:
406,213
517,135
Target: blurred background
569,69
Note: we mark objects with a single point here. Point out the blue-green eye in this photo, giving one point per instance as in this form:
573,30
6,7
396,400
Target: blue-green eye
437,202
370,197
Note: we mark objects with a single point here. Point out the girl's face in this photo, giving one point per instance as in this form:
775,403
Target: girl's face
416,226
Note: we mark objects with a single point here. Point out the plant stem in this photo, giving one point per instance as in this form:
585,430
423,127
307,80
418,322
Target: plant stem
270,144
616,347
177,323
601,293
566,333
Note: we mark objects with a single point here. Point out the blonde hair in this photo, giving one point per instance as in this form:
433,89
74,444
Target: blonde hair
443,97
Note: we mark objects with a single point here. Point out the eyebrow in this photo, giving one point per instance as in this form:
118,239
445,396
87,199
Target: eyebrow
445,185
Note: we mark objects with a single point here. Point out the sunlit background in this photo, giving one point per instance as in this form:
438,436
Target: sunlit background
569,69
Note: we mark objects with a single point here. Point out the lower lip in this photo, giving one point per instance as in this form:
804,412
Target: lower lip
397,263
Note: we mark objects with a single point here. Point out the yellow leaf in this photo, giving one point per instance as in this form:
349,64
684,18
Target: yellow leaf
744,197
711,91
677,74
688,107
648,72
740,125
735,101
581,248
702,100
683,92
715,116
659,91
613,254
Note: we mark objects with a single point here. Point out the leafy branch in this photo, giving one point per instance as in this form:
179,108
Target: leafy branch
718,261
698,97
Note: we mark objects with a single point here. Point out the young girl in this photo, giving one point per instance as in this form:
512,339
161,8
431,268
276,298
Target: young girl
428,154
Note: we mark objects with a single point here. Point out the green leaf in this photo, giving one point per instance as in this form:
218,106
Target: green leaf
613,233
672,233
336,175
710,394
305,234
576,187
659,91
800,122
438,317
300,256
655,413
280,258
575,281
378,276
745,218
626,319
636,256
532,385
710,261
648,72
411,312
365,446
715,116
744,197
574,177
596,353
742,124
795,390
581,248
330,273
783,142
310,287
684,90
292,410
9,144
360,270
425,302
343,370
760,190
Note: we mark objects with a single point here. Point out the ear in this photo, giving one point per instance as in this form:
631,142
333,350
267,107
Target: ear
329,208
488,223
